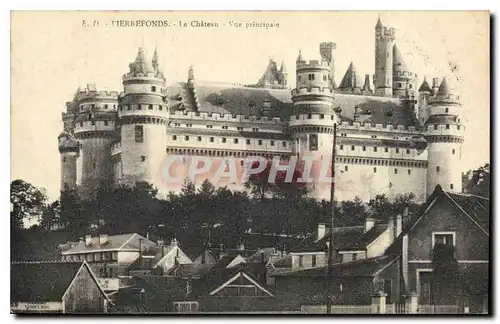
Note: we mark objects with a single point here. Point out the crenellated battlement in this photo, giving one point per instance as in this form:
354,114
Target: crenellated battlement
380,127
97,95
303,90
313,64
448,98
387,33
226,117
405,74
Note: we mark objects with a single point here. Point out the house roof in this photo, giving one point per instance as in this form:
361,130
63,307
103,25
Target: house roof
43,281
359,268
130,241
193,270
345,238
209,258
226,260
473,207
261,255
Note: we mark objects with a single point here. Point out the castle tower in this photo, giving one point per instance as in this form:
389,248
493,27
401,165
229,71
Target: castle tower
384,41
143,114
69,149
444,135
424,93
326,50
313,117
283,74
351,82
404,81
94,129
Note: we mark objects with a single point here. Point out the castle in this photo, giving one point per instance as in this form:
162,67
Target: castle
391,138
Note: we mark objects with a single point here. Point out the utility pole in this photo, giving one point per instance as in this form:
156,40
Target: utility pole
332,219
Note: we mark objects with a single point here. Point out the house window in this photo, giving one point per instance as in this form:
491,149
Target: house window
64,159
93,123
375,170
301,260
186,307
324,77
106,123
160,107
311,76
321,116
239,128
224,127
447,238
437,168
397,150
153,89
143,158
309,116
139,106
105,106
139,134
209,126
248,142
447,126
211,139
255,129
300,78
313,262
354,256
435,126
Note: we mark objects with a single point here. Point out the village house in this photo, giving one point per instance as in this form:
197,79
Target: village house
56,287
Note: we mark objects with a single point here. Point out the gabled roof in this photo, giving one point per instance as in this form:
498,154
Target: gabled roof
209,258
261,255
44,281
193,270
114,243
229,261
359,268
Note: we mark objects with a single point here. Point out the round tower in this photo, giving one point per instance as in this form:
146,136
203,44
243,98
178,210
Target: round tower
143,115
313,117
404,81
95,130
384,41
424,93
444,135
69,149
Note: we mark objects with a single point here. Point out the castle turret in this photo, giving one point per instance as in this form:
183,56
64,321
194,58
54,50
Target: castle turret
272,77
313,117
435,85
384,41
367,90
404,81
143,115
351,82
94,128
69,149
424,93
444,135
326,50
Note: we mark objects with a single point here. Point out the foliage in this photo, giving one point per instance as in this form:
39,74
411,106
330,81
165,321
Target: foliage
27,203
478,181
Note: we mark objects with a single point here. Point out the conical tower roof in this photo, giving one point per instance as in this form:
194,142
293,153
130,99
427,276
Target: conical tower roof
379,23
141,64
351,78
299,57
283,67
444,89
399,62
425,87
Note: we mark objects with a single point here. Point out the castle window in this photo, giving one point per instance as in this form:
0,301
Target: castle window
458,127
211,139
400,85
375,170
139,107
321,116
272,143
341,147
324,77
186,138
410,85
64,159
352,147
451,186
248,142
105,106
199,138
397,150
409,171
309,116
435,126
93,106
395,171
121,108
255,129
407,151
311,76
346,168
364,148
160,107
224,140
105,123
452,151
174,137
437,168
331,117
153,89
150,107
224,127
386,149
375,149
209,126
260,142
93,123
446,110
81,124
313,261
447,126
128,107
143,158
235,141
239,128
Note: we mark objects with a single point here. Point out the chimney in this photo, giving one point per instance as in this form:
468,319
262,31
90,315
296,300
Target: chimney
241,247
103,239
321,231
390,227
399,225
88,240
369,223
435,85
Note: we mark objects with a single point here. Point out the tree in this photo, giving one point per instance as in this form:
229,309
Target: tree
446,274
353,212
51,215
381,207
27,203
259,183
477,181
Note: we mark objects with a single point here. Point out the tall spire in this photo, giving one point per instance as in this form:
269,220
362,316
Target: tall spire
299,58
379,23
425,87
283,68
155,58
191,73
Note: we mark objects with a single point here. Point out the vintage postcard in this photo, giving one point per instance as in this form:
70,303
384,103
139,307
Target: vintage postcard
250,162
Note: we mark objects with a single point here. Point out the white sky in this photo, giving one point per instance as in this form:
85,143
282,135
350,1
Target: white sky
51,57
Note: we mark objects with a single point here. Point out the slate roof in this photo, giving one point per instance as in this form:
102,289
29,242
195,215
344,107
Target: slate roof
41,281
235,99
193,270
345,238
359,268
114,242
261,255
224,261
425,87
398,60
351,79
209,258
